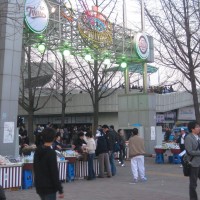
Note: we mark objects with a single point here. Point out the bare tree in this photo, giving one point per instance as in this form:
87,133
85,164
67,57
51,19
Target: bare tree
177,25
94,80
93,76
62,83
34,76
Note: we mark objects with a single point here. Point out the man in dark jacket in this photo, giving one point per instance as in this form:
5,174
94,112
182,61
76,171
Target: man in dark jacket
38,136
102,150
79,142
112,140
167,134
46,168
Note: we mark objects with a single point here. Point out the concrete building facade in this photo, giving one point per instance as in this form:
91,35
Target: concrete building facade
123,111
11,27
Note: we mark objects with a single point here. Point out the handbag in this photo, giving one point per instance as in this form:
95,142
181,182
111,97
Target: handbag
84,156
186,165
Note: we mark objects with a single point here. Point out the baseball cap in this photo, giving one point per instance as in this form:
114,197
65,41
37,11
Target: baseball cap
182,129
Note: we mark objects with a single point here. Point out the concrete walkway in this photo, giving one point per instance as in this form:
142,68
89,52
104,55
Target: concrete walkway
165,181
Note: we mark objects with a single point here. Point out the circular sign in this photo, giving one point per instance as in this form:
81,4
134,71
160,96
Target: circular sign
95,29
36,15
141,45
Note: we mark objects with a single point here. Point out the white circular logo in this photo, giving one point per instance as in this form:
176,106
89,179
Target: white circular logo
36,15
141,45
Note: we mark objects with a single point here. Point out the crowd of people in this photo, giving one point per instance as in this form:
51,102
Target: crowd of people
103,144
152,89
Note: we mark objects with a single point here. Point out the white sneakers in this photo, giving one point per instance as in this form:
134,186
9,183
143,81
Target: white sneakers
136,180
143,179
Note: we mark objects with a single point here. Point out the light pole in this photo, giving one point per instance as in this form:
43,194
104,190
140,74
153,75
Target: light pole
126,71
144,64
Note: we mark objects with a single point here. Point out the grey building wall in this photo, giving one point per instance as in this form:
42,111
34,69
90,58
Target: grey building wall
139,110
11,27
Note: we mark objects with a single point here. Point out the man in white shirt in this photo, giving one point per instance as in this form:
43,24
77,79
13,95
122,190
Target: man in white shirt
181,139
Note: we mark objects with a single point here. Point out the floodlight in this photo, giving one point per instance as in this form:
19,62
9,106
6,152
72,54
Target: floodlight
123,65
41,48
88,57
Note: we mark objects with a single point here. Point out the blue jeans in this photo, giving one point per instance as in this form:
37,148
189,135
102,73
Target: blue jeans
112,163
48,196
91,173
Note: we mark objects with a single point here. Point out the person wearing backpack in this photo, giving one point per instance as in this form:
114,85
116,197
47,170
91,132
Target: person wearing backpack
193,154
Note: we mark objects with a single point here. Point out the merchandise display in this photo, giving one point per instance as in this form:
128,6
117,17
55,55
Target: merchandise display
170,145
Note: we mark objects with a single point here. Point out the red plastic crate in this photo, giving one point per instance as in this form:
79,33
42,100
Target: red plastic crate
175,151
159,150
71,159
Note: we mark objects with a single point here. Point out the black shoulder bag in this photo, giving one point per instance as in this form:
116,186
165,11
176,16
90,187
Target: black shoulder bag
187,164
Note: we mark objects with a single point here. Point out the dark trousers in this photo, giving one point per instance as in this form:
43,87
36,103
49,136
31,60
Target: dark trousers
91,173
122,155
48,196
194,174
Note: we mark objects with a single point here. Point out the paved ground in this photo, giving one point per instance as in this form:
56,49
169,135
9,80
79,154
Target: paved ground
165,181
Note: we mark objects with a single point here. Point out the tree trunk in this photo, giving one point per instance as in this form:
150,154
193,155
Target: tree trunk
96,98
63,112
30,126
195,96
96,117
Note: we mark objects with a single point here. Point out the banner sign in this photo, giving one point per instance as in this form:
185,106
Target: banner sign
36,15
141,45
186,113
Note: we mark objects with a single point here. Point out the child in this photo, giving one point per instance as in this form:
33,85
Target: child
46,169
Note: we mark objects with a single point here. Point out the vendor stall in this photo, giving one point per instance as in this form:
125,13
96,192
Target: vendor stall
81,168
11,175
62,168
171,150
19,173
